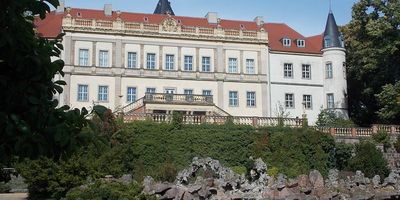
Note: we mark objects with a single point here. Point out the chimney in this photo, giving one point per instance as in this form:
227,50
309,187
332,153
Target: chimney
259,20
108,9
60,8
212,17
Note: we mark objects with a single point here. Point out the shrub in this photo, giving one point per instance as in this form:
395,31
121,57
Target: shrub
397,145
109,191
382,137
167,172
297,151
369,160
239,169
177,120
273,172
49,179
329,118
342,155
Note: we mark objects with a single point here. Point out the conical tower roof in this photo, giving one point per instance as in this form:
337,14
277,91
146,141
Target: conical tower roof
163,8
332,36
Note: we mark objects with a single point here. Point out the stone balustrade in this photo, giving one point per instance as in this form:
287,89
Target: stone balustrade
359,132
200,119
171,30
178,99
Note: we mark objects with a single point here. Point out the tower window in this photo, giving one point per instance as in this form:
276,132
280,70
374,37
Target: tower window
329,70
327,42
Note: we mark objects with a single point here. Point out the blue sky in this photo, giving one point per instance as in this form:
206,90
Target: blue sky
308,17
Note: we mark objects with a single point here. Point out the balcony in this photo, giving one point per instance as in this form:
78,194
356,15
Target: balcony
189,99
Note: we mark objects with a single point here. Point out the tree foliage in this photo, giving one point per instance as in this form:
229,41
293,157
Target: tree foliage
389,102
330,118
373,49
31,123
369,160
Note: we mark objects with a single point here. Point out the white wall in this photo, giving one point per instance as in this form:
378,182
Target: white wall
297,85
93,83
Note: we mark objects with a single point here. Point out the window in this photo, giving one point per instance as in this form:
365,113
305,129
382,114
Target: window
289,100
250,66
206,64
232,65
188,63
329,70
151,90
169,90
251,99
306,71
151,61
288,70
103,58
132,60
83,93
307,101
330,101
286,42
301,43
103,93
84,57
233,99
188,91
207,92
169,62
344,71
327,42
131,94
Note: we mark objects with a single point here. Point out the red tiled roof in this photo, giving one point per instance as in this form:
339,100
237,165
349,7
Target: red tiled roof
278,31
52,24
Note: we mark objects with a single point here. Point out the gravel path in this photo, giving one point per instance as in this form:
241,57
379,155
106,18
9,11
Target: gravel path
14,196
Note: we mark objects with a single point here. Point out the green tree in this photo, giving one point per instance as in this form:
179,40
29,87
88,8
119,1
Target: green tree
373,48
389,103
329,118
369,160
31,123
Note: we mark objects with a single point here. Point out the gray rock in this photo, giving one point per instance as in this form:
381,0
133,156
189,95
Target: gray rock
161,188
187,196
204,192
316,179
333,177
391,179
260,166
359,178
194,188
376,181
126,178
303,181
281,181
170,194
148,183
292,183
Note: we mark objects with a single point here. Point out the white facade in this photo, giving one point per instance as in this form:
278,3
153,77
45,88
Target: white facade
114,63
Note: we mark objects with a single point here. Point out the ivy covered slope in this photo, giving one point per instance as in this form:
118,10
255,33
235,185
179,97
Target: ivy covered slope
161,150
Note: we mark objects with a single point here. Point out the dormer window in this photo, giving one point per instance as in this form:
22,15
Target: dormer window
146,19
241,26
78,14
301,43
286,42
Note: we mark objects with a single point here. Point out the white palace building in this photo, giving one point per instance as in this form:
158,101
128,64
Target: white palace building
158,63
